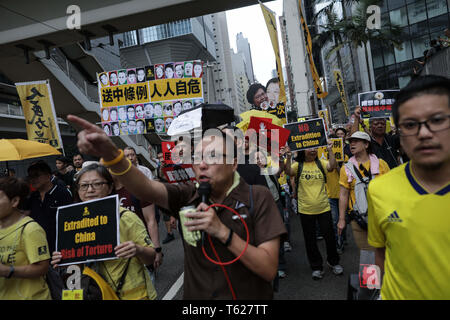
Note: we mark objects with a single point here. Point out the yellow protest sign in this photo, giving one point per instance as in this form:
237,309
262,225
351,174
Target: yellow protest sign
340,85
39,112
338,150
175,89
72,295
123,95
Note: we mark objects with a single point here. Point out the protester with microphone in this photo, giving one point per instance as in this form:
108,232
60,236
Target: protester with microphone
242,238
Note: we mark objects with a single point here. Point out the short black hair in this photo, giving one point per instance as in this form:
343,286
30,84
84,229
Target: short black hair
429,84
39,166
273,80
342,129
252,91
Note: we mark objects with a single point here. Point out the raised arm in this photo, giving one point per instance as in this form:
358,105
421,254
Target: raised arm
94,141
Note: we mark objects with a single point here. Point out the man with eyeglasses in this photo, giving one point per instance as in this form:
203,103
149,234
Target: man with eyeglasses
409,220
44,202
251,276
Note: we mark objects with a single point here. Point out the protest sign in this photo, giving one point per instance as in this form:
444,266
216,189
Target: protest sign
376,104
277,104
179,173
88,231
167,148
306,134
338,150
269,134
340,85
146,100
39,111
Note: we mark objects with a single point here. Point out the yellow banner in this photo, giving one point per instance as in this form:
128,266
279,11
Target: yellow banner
324,115
315,75
340,86
125,94
338,150
39,112
271,24
175,89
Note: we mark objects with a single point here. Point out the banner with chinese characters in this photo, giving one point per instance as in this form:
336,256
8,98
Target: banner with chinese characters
39,111
147,99
275,91
338,150
376,104
340,85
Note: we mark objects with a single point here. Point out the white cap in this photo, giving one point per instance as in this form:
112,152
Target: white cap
360,135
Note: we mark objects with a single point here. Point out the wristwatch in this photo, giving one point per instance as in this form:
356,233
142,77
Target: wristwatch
158,250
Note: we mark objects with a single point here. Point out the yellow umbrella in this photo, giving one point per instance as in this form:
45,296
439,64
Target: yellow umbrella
20,149
243,125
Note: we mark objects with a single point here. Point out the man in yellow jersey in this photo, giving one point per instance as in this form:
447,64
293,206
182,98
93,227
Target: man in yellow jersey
409,220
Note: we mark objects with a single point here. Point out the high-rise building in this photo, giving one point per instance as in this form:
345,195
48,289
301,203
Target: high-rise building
241,81
421,22
243,46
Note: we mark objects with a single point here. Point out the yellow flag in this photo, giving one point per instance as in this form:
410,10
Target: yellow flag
315,75
271,24
39,112
340,86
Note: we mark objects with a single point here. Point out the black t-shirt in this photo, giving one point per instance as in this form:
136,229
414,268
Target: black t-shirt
44,212
251,173
389,150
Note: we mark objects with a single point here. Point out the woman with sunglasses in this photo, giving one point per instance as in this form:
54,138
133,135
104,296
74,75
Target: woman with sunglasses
94,182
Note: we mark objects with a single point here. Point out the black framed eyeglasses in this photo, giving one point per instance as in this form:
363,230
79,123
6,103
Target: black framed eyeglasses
94,185
435,124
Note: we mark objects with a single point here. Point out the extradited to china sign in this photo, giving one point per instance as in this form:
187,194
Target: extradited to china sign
39,112
306,134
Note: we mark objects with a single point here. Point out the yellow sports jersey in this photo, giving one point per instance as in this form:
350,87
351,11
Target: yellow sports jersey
137,284
21,246
312,195
414,227
343,179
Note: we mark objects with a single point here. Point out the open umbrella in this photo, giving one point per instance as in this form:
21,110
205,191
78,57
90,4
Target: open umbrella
243,125
20,149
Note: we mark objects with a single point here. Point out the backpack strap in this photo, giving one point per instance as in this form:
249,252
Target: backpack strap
319,165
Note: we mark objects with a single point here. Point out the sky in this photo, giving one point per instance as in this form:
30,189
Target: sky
250,21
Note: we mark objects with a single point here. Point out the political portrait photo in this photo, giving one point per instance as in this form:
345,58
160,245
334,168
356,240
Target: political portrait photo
150,125
150,73
122,113
105,115
113,81
188,68
139,109
159,125
198,69
122,76
140,75
131,114
131,76
113,115
132,127
115,128
187,105
103,79
168,71
140,126
123,128
107,128
177,107
159,71
167,109
273,92
179,70
168,122
158,110
148,111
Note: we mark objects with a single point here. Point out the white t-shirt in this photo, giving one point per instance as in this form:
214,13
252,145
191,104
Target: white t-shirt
145,171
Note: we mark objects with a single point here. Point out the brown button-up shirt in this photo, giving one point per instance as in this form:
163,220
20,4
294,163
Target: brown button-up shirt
205,280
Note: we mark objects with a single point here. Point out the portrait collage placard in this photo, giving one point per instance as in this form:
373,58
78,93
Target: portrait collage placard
147,99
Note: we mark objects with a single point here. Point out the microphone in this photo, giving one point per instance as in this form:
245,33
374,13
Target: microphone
204,190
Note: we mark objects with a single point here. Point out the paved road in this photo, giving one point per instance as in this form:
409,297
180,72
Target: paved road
298,285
